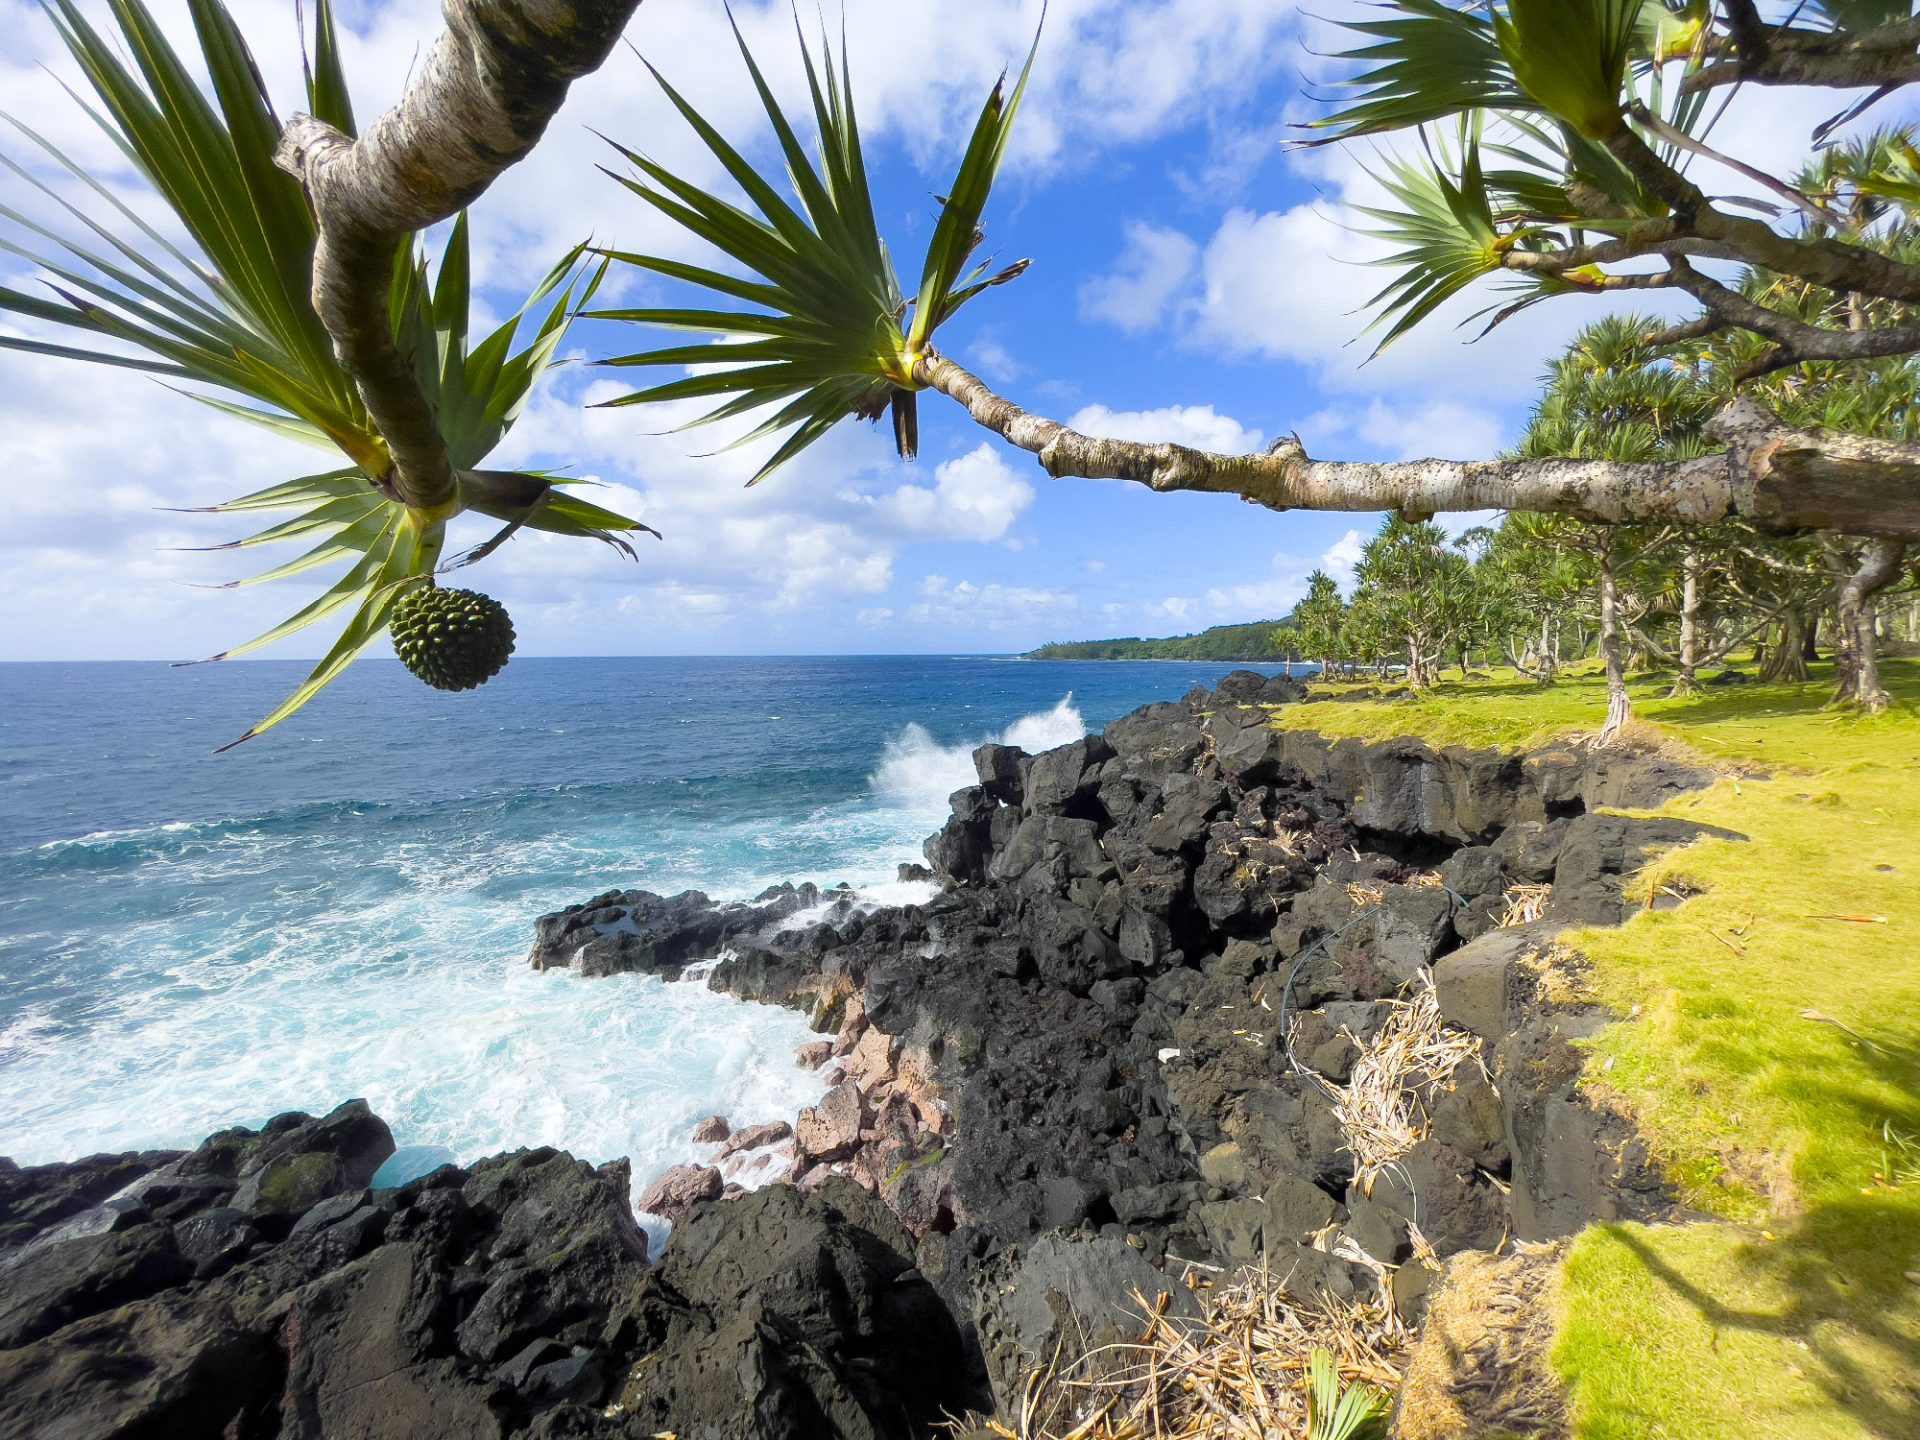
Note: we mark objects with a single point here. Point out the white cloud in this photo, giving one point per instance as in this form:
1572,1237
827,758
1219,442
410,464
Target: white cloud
1199,426
992,606
1139,293
1405,429
976,497
1342,558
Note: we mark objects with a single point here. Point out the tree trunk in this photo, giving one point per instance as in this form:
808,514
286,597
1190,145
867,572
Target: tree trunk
1786,662
1687,681
1856,656
1619,704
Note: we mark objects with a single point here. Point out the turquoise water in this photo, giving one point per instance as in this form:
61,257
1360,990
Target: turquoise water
343,907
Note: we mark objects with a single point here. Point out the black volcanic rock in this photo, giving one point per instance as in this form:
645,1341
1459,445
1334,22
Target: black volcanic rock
1110,1040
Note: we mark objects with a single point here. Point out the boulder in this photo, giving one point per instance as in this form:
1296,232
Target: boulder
831,1129
1064,1296
1059,782
711,1130
677,1191
756,1137
788,1313
1003,771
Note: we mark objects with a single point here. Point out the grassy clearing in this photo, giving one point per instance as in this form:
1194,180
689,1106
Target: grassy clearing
1771,1043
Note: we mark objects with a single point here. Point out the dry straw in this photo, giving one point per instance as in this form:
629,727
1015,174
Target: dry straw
1525,904
1382,1106
1238,1373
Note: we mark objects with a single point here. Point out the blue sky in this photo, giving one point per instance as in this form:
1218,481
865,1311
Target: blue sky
1193,279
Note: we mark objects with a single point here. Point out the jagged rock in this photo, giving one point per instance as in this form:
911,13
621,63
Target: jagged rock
1058,781
1482,986
1600,850
1573,1165
1456,1206
831,1129
57,1281
1468,1119
1061,1294
1529,851
785,1314
713,1129
677,1191
1003,771
755,1137
34,1198
1474,870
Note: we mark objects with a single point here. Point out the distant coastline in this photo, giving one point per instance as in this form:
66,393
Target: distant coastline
1252,642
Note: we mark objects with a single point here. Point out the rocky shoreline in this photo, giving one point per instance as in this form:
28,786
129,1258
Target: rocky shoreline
1195,990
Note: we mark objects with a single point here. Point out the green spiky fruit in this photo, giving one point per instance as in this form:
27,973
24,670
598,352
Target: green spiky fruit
452,639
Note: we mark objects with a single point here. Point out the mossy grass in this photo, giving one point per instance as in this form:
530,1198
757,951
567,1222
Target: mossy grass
1768,1048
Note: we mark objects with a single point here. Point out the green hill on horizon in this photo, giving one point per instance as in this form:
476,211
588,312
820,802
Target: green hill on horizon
1250,641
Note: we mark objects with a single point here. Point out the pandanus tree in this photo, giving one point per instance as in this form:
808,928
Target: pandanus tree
1317,624
1611,397
1419,589
253,316
1561,140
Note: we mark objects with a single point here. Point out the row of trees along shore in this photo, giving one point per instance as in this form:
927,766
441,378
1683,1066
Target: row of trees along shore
1535,589
1741,467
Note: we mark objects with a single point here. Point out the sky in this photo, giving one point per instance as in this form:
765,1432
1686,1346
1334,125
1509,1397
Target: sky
1196,277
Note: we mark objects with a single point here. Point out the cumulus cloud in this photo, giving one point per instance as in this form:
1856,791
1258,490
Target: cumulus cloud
1342,558
1401,429
976,497
1200,426
1139,293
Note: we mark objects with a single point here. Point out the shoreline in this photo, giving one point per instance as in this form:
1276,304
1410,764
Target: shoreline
1058,1075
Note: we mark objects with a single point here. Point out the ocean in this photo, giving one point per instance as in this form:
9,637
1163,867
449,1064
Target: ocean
344,906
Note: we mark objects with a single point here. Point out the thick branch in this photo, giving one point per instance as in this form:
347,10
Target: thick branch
1888,55
1771,474
489,86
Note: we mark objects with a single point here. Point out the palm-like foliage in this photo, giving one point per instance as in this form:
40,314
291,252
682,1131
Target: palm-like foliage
1336,1412
829,335
230,311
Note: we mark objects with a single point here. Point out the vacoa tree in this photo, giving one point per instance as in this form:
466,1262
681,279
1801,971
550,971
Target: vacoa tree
1558,139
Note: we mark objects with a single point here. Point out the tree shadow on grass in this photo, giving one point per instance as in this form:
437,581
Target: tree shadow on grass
1845,1268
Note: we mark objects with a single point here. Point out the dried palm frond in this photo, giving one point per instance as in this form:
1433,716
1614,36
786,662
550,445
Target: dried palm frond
1525,904
1240,1372
1381,1106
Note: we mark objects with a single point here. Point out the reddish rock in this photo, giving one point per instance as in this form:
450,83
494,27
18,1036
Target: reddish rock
754,1136
675,1192
711,1129
814,1054
852,1027
871,1060
831,1129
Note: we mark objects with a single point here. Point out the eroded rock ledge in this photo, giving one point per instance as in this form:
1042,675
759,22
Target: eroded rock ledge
1121,1033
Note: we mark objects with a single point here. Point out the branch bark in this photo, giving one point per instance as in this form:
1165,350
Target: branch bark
1886,55
491,83
1771,473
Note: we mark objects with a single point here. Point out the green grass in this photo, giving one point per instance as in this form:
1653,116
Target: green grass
1795,1315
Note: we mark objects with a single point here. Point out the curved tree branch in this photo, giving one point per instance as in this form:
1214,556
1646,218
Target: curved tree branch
489,86
1771,474
1766,55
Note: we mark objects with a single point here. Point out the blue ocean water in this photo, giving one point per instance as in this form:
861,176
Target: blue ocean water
344,906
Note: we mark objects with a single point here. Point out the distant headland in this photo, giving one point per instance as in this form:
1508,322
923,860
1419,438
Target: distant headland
1251,641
